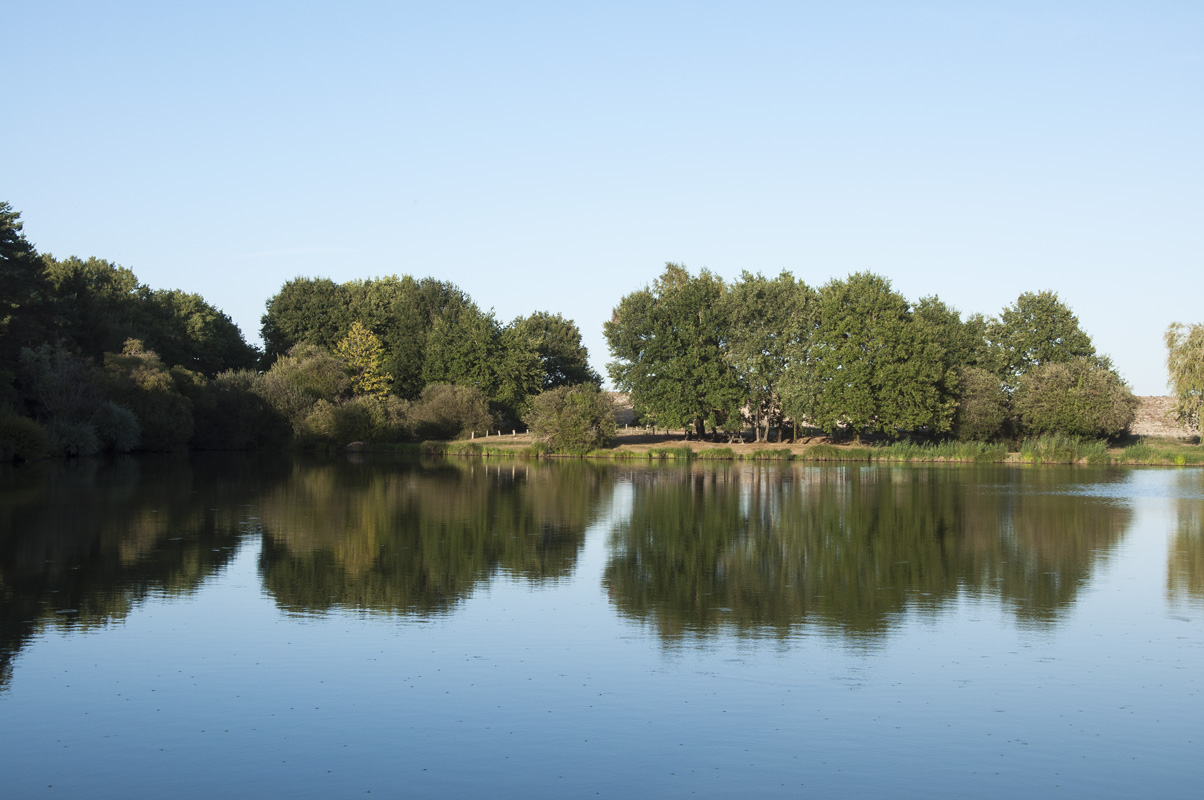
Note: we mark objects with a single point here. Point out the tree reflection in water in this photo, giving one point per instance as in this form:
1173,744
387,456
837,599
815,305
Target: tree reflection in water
409,538
1185,558
763,550
86,541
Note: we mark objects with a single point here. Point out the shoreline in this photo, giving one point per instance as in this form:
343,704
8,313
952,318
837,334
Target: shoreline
1141,451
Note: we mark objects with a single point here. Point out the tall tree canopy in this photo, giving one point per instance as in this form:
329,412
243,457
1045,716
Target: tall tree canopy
99,305
668,342
871,363
564,360
431,332
1038,329
24,315
766,321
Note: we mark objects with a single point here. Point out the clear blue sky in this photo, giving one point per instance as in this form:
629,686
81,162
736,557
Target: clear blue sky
552,156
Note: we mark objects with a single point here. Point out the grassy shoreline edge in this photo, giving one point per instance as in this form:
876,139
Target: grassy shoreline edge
1045,450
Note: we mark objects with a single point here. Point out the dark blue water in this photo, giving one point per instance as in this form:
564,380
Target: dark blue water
231,626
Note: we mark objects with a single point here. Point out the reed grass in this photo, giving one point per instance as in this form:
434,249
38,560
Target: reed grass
1059,449
716,454
681,453
827,452
770,454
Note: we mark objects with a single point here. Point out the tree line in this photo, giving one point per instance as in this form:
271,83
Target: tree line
91,360
855,357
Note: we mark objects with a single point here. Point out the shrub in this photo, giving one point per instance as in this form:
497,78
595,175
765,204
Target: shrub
137,379
445,411
573,419
58,384
360,419
117,428
300,379
21,438
982,409
231,414
1076,398
72,438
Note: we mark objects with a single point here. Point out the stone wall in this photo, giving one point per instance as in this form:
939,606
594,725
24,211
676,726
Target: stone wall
1156,417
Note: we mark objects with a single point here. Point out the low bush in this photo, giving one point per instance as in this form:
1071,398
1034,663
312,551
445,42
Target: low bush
73,438
117,428
1077,399
573,419
445,411
21,439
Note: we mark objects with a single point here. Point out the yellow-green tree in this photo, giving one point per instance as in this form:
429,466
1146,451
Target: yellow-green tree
365,358
1185,364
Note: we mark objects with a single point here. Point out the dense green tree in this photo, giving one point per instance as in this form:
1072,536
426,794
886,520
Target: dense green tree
313,311
766,320
1076,398
62,392
98,304
982,409
573,419
564,360
1037,329
1185,365
230,414
519,374
58,384
469,348
24,310
401,311
362,352
667,341
186,331
870,363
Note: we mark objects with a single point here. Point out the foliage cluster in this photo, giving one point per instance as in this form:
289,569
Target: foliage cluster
427,332
91,361
573,419
855,357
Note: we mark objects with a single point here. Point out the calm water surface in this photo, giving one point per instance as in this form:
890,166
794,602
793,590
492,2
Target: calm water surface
265,627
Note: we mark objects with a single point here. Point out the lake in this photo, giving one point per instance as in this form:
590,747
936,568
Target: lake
271,626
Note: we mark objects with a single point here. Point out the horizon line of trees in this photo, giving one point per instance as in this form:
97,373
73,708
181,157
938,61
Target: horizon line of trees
855,357
92,360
